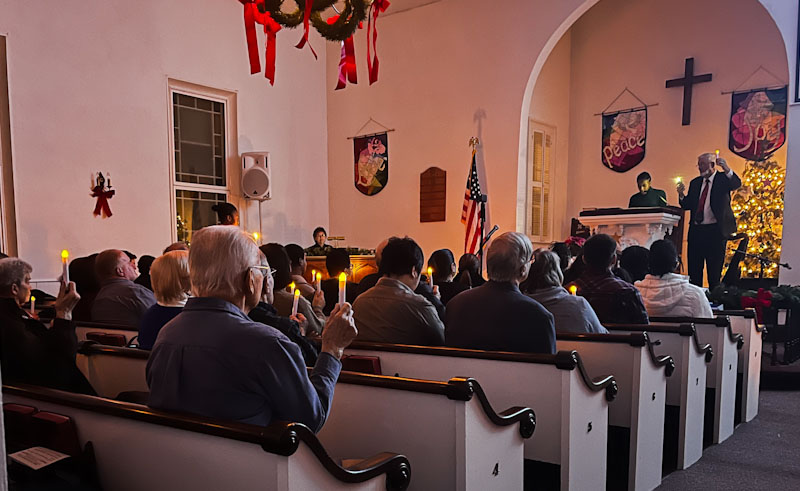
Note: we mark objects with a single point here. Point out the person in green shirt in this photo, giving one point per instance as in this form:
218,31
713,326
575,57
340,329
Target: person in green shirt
647,196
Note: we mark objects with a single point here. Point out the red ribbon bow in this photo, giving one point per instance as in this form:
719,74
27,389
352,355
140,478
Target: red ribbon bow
102,201
306,19
762,299
376,8
347,62
251,17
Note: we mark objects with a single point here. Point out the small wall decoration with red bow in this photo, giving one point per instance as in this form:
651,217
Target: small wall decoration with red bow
338,28
103,192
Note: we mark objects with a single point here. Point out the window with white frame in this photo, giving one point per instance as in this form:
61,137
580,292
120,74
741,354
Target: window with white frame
199,148
540,155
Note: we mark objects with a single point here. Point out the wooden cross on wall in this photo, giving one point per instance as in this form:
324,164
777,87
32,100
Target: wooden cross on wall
688,80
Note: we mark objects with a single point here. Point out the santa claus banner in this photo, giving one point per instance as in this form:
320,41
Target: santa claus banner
624,139
758,122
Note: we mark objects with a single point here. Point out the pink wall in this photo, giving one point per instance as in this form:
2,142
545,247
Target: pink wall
640,45
88,84
441,65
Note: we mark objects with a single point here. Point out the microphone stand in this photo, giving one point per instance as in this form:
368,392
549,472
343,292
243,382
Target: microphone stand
762,261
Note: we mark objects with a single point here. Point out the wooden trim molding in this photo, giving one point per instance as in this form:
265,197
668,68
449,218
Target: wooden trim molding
718,321
682,329
633,339
280,437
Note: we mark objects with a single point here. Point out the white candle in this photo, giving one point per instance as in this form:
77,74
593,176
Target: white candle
293,287
64,269
573,290
319,281
296,300
33,305
430,276
342,288
717,155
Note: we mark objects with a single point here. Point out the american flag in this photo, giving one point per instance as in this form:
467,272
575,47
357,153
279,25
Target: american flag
470,213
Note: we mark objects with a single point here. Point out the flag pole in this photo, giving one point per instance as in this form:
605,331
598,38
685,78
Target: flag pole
474,142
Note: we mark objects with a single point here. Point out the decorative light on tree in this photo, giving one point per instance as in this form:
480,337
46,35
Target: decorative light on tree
758,207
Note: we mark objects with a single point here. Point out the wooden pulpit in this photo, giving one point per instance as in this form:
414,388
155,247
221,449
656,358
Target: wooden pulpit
639,226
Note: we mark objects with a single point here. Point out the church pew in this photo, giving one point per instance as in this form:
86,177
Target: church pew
112,370
84,327
748,379
139,448
685,398
357,421
721,377
449,431
636,416
569,447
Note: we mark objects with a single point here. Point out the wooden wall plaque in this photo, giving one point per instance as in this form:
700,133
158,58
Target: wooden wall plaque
432,195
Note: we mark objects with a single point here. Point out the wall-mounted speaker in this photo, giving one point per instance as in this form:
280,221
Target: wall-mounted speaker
256,171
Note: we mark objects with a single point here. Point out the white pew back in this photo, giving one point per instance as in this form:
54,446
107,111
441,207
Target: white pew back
721,378
139,448
639,406
112,370
749,378
571,409
449,431
685,391
84,327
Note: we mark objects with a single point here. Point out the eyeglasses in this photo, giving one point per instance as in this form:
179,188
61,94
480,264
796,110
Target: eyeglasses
269,271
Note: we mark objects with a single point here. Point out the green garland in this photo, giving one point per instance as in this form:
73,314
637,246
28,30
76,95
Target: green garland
353,13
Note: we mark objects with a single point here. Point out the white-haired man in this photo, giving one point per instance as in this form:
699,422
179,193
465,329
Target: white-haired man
214,361
32,353
496,316
120,301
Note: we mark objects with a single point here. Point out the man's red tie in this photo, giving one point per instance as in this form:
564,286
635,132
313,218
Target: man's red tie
702,203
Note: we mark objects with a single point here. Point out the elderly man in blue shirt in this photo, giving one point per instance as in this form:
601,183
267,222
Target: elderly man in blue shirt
214,361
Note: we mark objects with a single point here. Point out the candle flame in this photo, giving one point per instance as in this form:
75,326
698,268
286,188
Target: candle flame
297,293
313,273
573,289
292,285
33,299
430,271
64,254
342,277
255,236
319,276
678,179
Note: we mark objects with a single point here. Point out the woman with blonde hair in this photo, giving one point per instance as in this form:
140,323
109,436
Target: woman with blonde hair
171,285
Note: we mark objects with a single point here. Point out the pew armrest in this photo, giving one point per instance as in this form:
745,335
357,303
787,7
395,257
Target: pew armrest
665,361
524,416
608,383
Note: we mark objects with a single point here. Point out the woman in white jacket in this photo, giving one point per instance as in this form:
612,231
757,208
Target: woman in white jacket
667,294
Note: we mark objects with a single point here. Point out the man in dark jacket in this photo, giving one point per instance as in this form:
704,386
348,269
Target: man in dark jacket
32,353
613,299
712,222
496,315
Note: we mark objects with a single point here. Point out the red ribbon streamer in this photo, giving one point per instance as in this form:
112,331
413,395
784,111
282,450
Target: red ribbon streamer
306,20
270,29
376,8
250,13
347,63
102,201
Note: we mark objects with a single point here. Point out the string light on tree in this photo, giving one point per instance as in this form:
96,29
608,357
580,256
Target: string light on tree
758,207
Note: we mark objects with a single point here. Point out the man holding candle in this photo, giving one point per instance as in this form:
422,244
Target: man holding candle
496,315
31,352
712,220
297,259
390,312
337,262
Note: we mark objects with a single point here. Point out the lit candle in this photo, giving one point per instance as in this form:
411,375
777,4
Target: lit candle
678,180
313,275
296,300
64,269
256,236
319,281
573,289
430,276
33,305
716,152
342,287
293,287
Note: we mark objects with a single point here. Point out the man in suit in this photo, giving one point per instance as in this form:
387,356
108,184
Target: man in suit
712,220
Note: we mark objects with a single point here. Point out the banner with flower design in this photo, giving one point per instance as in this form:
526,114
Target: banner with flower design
371,163
758,122
624,139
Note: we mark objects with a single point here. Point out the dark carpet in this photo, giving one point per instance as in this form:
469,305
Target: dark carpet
761,454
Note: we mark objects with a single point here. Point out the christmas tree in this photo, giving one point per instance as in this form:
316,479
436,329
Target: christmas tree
758,207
